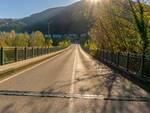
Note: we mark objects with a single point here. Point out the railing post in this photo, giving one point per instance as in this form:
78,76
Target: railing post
107,56
97,54
103,55
118,57
41,51
37,51
48,50
16,54
44,50
111,58
32,52
142,64
128,58
25,53
2,56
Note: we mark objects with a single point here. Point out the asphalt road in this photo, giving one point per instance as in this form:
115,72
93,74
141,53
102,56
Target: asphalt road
77,84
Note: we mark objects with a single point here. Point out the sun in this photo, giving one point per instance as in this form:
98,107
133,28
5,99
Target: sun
95,1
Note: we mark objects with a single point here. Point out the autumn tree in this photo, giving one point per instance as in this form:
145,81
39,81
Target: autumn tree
9,37
138,10
37,39
49,42
21,40
121,25
64,43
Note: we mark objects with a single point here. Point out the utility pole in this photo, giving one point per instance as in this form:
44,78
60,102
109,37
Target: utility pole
48,29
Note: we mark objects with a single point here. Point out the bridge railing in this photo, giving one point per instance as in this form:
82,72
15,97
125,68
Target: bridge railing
14,54
133,63
137,64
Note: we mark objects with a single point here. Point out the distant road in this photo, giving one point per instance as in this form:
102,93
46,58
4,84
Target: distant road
72,72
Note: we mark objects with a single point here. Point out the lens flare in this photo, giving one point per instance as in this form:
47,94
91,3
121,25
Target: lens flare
95,1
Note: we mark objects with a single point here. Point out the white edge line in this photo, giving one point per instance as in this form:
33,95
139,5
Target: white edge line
71,105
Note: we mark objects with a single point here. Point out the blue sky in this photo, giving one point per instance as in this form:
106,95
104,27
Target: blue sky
23,8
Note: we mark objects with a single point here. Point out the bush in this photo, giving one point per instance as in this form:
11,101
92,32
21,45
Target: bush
92,46
64,43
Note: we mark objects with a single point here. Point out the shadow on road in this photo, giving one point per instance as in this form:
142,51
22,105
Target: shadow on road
96,80
57,105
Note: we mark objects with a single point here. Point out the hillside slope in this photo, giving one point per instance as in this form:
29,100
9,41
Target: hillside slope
67,19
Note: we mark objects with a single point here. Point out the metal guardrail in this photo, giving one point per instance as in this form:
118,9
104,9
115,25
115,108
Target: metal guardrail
136,64
14,54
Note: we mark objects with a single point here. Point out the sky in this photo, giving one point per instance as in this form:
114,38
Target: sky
23,8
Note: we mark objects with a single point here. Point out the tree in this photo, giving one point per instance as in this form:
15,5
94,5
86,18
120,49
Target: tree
121,25
92,46
9,37
37,39
64,43
21,40
49,42
141,21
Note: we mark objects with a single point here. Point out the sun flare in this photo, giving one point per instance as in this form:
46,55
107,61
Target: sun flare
95,1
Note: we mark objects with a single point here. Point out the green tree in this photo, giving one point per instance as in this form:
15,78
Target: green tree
37,39
121,25
141,20
64,43
21,40
92,46
49,42
9,37
2,40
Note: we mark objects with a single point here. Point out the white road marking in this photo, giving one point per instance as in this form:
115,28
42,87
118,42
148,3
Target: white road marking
15,75
71,104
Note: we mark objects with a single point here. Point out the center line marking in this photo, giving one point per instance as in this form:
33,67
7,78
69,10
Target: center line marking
71,104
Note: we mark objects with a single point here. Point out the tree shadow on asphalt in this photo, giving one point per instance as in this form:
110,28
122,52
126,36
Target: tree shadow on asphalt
109,83
8,108
105,83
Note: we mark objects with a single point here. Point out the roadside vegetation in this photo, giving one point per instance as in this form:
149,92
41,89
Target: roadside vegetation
121,25
36,39
92,46
64,43
120,31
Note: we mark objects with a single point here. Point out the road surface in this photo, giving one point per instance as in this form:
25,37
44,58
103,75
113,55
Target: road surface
76,83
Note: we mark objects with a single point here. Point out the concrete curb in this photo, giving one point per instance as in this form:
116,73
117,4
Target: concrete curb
20,64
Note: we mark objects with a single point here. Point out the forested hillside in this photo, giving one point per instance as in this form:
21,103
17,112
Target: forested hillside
67,19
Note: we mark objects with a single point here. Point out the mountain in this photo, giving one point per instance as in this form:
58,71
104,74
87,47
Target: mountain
5,21
67,19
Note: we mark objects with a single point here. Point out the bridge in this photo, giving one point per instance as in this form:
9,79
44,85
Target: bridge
70,81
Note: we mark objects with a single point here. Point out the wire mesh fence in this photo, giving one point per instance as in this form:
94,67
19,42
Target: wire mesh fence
146,66
14,54
136,64
21,54
9,55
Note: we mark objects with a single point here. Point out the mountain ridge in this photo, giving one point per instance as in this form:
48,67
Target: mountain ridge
62,20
